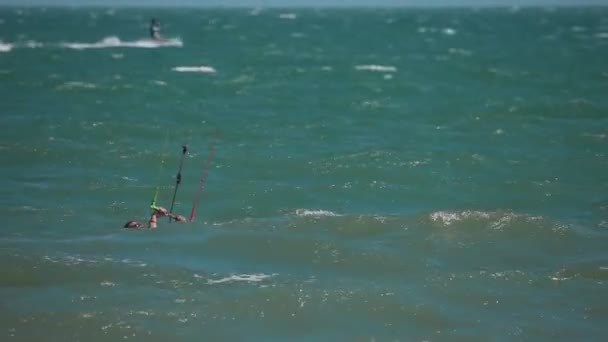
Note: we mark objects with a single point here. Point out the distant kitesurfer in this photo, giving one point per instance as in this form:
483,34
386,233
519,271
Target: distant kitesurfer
153,222
155,30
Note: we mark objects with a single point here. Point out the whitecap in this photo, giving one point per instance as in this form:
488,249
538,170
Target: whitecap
449,217
143,313
448,31
32,44
29,208
76,85
315,213
115,42
601,35
200,69
373,67
5,47
445,217
459,51
240,277
290,16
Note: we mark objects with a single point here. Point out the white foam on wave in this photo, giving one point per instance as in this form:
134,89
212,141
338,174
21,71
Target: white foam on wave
5,47
449,217
289,16
76,85
32,44
602,35
69,260
27,207
315,213
448,31
374,67
496,220
200,69
460,51
115,42
240,277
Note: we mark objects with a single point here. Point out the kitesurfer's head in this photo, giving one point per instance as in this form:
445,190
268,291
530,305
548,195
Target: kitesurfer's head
133,224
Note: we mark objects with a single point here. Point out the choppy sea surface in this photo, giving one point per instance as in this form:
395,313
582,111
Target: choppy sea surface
377,174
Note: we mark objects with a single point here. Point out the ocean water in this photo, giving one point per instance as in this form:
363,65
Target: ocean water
378,174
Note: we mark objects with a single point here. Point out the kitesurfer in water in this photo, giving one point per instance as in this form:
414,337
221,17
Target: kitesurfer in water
155,30
153,221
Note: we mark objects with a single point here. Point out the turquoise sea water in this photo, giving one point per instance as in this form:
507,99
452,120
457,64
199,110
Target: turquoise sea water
379,174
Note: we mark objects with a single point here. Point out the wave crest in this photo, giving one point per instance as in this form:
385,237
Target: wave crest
315,213
5,47
115,42
249,278
373,67
200,69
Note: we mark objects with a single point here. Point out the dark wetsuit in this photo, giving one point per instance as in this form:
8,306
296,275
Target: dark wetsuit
155,30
